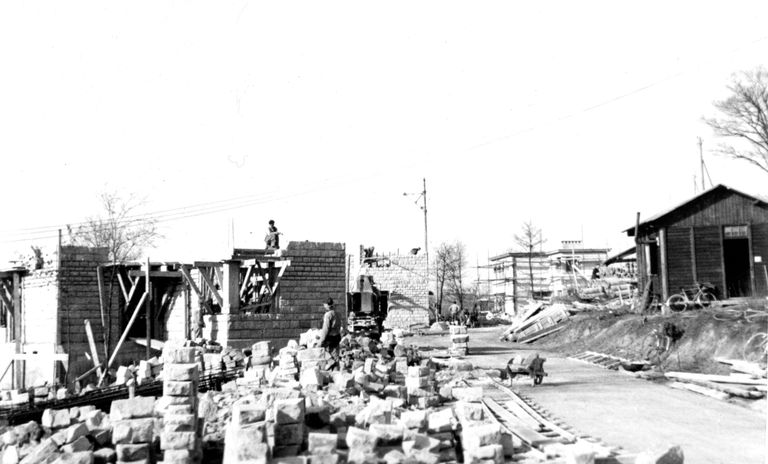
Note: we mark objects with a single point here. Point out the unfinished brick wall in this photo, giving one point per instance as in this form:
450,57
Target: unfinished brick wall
317,271
405,277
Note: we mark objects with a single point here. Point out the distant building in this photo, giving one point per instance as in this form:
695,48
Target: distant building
719,236
552,270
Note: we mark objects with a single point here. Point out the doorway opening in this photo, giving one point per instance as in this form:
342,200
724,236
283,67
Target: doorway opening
736,257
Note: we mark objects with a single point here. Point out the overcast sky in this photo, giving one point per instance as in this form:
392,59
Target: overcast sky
573,115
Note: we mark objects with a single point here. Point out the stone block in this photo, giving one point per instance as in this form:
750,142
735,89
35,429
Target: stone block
321,443
359,439
180,456
361,456
132,408
184,355
104,456
484,454
245,451
419,442
418,371
55,418
414,419
132,452
324,459
417,382
289,411
10,455
180,422
673,455
459,338
75,431
179,388
102,437
175,409
480,435
311,377
133,431
181,372
262,348
469,411
289,434
286,453
244,414
387,434
80,444
468,394
41,453
178,440
440,421
78,457
97,420
393,457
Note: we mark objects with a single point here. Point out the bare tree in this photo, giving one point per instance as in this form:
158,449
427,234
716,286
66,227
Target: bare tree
745,118
444,258
456,272
119,229
529,239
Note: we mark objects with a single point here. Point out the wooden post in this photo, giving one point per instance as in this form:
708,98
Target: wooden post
230,287
149,314
694,270
123,336
664,274
19,371
514,285
92,345
100,282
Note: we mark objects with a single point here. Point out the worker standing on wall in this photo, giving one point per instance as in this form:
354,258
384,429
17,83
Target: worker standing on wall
273,237
330,333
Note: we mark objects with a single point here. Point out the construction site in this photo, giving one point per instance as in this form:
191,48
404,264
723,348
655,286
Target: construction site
225,361
350,232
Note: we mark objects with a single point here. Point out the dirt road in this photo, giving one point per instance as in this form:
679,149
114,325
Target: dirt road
624,411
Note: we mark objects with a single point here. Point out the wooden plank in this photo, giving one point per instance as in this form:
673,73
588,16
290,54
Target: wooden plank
148,314
100,284
6,297
190,281
264,277
715,378
568,436
161,274
92,345
517,427
213,290
277,280
219,275
700,390
746,367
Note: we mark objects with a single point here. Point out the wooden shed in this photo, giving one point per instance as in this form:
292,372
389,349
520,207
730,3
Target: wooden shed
719,236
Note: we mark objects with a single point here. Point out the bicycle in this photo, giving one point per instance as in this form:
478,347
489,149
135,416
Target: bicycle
703,298
756,348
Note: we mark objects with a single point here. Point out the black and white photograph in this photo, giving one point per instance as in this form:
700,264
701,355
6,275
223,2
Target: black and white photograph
349,232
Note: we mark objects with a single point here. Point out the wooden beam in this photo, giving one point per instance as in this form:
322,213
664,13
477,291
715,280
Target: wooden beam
161,274
247,278
695,272
213,290
663,264
219,275
277,280
92,346
123,336
148,316
120,272
265,277
185,272
5,297
100,283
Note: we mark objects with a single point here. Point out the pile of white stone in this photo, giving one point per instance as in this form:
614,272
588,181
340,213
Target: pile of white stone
459,340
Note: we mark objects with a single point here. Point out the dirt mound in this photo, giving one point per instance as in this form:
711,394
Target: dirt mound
707,334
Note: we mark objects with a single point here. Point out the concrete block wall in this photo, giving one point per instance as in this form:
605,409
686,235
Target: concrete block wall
317,271
39,303
405,277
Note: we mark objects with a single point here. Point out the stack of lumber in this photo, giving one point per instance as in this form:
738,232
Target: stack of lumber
737,384
538,321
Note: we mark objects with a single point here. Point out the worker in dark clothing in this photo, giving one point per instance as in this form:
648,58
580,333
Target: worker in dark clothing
536,369
330,333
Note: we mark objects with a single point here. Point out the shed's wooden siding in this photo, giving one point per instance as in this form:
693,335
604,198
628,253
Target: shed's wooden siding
728,209
709,266
760,248
679,261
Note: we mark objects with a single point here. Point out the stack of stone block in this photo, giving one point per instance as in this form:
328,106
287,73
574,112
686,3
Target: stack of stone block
289,426
419,384
401,369
246,438
181,437
459,340
133,429
482,444
287,367
260,362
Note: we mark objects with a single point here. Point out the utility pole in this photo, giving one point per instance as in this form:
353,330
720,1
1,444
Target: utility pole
701,163
426,240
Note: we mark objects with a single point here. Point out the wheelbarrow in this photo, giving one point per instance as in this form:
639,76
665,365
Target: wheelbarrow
532,366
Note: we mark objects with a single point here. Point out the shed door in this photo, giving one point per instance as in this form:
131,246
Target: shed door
708,258
737,261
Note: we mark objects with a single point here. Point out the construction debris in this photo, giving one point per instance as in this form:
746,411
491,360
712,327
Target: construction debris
538,320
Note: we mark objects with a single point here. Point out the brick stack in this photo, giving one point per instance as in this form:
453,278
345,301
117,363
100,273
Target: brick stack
482,444
246,436
459,340
133,429
289,426
287,367
419,386
181,437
